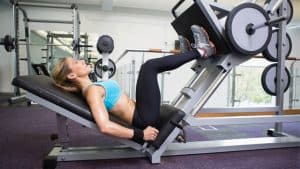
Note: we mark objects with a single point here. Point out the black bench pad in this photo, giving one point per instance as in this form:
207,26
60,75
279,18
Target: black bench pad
43,87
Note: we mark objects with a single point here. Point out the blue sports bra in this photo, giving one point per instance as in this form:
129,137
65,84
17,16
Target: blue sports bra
112,92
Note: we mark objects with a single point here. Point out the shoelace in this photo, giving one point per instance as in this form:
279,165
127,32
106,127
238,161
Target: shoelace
198,38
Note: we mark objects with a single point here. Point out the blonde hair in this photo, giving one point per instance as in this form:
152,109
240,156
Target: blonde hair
60,73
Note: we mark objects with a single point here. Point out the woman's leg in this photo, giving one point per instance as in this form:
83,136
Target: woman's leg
148,96
147,90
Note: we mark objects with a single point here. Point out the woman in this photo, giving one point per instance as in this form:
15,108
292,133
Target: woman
103,97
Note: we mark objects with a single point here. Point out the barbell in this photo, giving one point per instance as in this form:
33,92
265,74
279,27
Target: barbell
9,44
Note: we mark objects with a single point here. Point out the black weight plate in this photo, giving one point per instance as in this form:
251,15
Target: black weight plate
268,79
105,44
236,25
8,43
111,68
271,51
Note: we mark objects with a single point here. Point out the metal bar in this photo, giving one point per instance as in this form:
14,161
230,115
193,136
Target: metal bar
239,110
94,153
200,147
50,21
133,79
292,84
238,120
76,33
47,52
105,62
17,52
276,6
37,44
289,58
162,86
43,5
280,67
51,48
27,40
63,132
85,50
215,146
61,35
270,22
220,76
233,89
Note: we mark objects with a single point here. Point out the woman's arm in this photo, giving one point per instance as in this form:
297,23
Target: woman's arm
95,99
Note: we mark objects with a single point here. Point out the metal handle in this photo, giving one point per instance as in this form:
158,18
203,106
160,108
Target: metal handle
175,7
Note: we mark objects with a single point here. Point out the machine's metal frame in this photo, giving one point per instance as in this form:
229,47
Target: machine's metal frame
130,149
209,74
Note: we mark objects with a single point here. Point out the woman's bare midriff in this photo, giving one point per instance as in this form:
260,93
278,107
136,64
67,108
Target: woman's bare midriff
124,109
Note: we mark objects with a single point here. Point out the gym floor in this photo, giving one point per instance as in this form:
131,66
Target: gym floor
25,141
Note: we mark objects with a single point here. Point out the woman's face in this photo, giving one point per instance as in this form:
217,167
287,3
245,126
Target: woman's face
78,67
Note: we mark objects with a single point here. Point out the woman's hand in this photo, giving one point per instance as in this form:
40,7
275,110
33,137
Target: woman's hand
150,133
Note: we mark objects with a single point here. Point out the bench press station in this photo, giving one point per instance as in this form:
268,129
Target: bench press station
234,47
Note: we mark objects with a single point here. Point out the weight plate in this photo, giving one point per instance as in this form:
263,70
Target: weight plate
271,51
237,23
8,43
268,79
99,68
105,44
289,9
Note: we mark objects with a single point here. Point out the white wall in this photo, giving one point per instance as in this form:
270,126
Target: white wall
6,63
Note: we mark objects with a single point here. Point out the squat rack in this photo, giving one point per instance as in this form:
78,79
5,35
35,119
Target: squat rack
16,7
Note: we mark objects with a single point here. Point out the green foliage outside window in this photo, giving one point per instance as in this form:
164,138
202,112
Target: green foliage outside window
248,89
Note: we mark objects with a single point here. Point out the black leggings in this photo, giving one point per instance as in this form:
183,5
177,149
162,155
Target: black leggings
147,110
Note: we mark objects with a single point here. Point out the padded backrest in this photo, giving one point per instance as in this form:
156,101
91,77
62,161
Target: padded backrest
43,87
196,14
